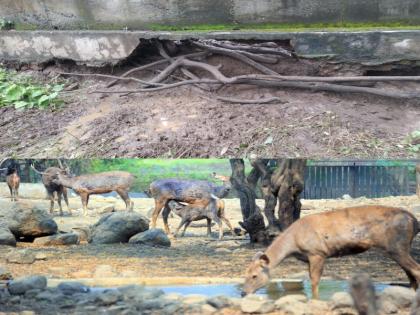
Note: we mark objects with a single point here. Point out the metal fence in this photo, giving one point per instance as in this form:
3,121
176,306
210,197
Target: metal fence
356,179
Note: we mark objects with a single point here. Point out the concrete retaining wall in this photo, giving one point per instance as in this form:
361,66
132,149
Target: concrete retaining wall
138,14
96,48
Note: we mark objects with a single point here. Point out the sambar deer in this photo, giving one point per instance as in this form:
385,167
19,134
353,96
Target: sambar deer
12,180
188,191
99,183
336,233
211,211
54,189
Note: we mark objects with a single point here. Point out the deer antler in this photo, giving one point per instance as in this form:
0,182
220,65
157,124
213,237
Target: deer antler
33,167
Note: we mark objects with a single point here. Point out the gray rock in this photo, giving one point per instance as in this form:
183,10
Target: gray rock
222,251
50,296
6,236
256,304
109,297
58,239
207,309
415,307
20,257
70,288
347,197
20,286
106,209
219,302
117,227
26,219
387,307
341,300
285,301
399,296
194,299
153,237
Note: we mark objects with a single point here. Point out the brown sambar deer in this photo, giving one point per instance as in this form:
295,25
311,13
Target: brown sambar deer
336,233
12,180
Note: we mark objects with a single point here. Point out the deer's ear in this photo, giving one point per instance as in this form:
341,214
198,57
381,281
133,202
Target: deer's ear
257,256
264,260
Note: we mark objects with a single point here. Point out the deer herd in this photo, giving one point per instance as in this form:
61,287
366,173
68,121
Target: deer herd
313,238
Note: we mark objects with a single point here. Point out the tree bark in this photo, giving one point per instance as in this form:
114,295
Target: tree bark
253,221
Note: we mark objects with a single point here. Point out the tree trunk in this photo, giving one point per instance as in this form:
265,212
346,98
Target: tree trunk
287,184
418,179
253,221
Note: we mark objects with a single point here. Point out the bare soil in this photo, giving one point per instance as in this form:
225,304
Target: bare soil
195,255
186,122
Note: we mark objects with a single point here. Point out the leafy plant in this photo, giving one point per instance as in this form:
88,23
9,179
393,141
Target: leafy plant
6,24
22,93
413,141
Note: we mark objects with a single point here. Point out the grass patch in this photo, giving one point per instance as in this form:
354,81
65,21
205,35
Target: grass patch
21,92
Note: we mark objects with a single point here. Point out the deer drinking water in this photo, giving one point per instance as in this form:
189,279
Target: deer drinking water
188,191
348,231
214,210
54,189
99,183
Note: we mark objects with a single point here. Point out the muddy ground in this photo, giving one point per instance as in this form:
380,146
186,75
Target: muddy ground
187,122
194,255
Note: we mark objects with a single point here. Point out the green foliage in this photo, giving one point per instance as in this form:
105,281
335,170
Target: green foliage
6,24
413,141
22,93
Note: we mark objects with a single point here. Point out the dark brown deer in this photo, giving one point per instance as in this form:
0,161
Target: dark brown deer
12,180
188,191
213,210
54,189
99,183
348,231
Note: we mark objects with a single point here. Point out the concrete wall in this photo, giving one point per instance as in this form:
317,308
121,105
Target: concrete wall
96,48
137,14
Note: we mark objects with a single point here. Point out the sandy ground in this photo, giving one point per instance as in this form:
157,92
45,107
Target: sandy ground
194,255
188,123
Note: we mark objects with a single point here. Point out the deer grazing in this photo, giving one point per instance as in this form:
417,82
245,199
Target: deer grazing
214,210
193,192
12,180
99,183
54,189
348,231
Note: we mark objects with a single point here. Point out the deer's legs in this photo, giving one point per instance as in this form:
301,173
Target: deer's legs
183,221
66,199
124,195
228,224
165,215
11,193
185,227
220,224
316,266
410,266
85,199
159,204
51,196
59,202
208,227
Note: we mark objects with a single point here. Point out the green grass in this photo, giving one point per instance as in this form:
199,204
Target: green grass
22,92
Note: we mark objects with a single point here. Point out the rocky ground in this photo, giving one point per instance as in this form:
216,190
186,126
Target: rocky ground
190,123
194,257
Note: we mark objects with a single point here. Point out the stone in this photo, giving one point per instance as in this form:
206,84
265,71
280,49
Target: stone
6,236
153,237
117,227
225,244
399,296
106,209
346,197
208,309
219,302
70,288
173,296
50,296
21,285
20,257
40,256
109,297
387,307
415,307
58,239
222,251
256,304
291,299
26,219
104,271
341,300
194,299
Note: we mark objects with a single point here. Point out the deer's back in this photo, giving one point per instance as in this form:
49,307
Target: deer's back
181,189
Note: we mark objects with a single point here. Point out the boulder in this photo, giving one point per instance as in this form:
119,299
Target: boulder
109,297
153,237
291,299
256,304
415,307
219,302
20,257
341,300
58,239
70,288
6,236
26,219
117,227
399,296
21,285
